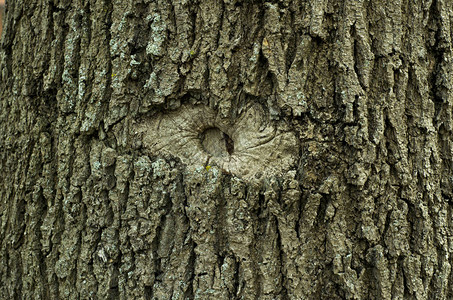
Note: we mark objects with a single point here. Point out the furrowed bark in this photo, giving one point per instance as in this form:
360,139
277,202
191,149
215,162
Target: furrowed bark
117,183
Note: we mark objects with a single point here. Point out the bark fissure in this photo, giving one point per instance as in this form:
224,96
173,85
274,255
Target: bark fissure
326,172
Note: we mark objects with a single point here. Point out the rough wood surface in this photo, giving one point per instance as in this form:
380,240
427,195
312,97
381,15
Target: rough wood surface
198,135
361,209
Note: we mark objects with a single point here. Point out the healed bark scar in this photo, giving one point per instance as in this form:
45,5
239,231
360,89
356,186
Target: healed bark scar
245,146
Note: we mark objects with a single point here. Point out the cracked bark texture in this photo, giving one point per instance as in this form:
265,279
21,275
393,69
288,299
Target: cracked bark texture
87,211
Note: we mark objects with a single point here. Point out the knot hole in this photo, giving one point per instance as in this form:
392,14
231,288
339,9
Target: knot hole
216,142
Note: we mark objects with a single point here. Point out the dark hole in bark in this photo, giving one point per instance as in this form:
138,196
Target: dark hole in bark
229,144
216,142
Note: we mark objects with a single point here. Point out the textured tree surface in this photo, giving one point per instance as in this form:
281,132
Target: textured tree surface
226,149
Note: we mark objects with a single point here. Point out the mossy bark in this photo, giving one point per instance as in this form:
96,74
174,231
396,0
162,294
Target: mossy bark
89,209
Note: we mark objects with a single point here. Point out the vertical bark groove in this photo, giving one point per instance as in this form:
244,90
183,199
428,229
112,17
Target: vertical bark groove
89,209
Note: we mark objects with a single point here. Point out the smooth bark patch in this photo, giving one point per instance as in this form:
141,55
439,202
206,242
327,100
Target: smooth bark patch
245,146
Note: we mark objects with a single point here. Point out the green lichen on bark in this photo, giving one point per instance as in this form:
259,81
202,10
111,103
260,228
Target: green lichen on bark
93,204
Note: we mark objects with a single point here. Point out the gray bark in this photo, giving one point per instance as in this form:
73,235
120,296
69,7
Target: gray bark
226,149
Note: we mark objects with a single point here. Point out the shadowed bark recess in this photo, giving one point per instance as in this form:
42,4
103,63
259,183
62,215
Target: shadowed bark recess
226,149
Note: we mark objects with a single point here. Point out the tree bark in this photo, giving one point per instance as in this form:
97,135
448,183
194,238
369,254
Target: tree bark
226,149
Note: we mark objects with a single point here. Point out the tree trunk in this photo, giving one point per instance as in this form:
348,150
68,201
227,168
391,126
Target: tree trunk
2,8
170,149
